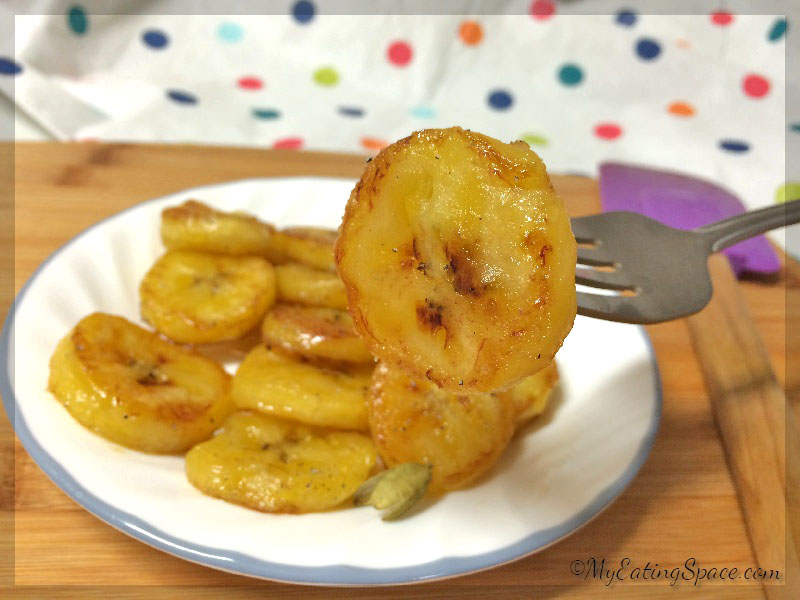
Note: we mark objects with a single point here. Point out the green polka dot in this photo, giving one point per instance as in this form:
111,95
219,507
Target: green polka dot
266,113
788,191
77,19
570,74
326,76
535,139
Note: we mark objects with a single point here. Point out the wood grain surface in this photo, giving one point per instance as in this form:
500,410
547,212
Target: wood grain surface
682,505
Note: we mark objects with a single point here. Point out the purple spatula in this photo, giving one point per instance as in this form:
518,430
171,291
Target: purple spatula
683,202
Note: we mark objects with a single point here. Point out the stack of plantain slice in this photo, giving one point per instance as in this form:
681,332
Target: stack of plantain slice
310,414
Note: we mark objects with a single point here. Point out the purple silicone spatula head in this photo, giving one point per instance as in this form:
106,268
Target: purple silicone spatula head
683,202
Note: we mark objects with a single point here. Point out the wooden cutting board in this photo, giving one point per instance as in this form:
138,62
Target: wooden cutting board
682,505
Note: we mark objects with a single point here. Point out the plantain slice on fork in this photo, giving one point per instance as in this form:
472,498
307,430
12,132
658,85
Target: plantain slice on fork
137,389
199,298
274,465
458,260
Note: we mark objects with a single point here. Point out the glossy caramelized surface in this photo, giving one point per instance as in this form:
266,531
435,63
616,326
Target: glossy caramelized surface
198,298
272,383
134,388
460,435
196,226
459,260
274,465
301,284
313,332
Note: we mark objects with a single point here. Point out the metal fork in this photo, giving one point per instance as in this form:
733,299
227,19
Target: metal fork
656,273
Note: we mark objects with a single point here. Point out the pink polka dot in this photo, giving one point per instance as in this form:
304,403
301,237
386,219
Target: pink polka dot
250,83
721,18
289,143
607,131
399,53
542,9
755,86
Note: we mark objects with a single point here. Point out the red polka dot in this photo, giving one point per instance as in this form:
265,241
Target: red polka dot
289,143
399,54
721,18
542,9
607,131
250,83
755,86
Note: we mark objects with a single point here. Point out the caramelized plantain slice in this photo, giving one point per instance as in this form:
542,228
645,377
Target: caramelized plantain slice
310,246
459,260
273,465
314,333
199,298
300,284
198,227
275,384
460,435
136,389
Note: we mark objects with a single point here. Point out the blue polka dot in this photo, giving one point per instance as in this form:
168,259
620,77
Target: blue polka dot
500,100
230,32
648,49
736,146
778,30
422,112
77,19
9,67
351,111
626,18
570,74
155,39
795,127
181,97
303,11
267,114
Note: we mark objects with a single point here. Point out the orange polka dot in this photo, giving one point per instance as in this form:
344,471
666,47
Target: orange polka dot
471,33
681,109
373,144
682,43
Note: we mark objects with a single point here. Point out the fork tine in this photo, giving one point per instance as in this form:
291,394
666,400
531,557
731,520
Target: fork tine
582,229
614,280
623,309
594,257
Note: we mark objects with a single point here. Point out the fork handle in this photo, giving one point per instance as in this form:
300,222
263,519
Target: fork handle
723,234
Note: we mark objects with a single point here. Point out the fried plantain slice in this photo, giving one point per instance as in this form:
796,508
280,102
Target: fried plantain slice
459,260
303,285
314,333
460,435
275,384
310,246
136,389
530,396
199,298
198,227
273,465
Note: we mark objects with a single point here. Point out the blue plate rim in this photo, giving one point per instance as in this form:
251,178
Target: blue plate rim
242,564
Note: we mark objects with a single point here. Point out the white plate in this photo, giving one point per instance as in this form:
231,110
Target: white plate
567,468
